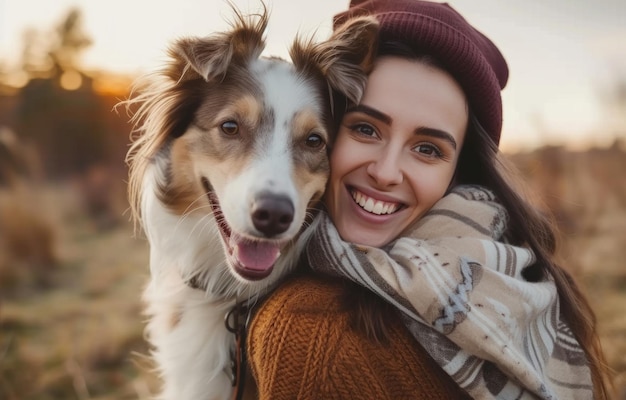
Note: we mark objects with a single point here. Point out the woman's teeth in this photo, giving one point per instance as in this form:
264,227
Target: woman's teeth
374,206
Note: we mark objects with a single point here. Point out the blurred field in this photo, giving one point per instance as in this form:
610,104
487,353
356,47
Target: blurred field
586,191
77,334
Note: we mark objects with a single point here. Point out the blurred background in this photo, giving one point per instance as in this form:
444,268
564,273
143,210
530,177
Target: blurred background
71,269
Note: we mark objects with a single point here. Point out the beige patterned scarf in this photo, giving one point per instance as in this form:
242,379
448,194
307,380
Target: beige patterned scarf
460,290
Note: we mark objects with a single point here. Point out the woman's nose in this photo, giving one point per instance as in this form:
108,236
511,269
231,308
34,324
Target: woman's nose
386,170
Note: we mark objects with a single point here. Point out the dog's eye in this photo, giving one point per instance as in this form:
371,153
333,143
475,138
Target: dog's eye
314,141
230,128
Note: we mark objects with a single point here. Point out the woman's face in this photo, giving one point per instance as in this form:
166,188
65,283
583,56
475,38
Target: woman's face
396,152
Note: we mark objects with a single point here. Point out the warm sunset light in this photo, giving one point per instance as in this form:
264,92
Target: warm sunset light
560,53
107,182
71,80
112,85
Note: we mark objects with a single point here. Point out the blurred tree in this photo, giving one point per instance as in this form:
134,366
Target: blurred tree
66,123
3,72
53,53
71,41
613,99
3,78
66,127
35,61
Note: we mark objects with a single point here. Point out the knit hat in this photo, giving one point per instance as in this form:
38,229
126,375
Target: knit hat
438,30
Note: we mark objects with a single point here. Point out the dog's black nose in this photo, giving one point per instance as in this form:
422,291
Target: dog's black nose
272,214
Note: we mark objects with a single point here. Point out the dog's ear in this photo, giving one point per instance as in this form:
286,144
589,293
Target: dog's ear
211,56
344,59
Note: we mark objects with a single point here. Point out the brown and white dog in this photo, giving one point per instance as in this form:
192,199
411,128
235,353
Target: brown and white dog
230,156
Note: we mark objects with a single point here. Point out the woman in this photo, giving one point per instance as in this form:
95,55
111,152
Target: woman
425,220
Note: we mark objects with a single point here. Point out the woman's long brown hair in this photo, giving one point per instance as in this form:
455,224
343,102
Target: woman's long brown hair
480,163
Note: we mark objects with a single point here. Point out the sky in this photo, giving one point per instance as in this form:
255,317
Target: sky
562,54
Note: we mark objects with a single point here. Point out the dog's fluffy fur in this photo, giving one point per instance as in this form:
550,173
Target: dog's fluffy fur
231,153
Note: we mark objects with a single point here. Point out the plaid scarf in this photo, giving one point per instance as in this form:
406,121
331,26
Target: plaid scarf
460,291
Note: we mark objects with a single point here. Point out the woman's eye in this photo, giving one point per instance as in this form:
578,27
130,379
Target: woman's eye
314,141
428,150
364,129
230,128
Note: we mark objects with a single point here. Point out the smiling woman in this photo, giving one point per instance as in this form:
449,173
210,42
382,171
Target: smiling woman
413,117
423,219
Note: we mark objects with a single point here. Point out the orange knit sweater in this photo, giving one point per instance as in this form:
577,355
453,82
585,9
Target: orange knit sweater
301,346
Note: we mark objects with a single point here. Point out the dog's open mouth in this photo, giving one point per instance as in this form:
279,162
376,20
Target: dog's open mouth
251,259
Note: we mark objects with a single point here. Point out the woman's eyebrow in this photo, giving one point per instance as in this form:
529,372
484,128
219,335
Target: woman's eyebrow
372,112
436,133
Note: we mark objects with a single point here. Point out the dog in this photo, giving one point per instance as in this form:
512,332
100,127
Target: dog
228,162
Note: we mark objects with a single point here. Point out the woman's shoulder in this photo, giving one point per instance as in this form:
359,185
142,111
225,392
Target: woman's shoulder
306,292
301,341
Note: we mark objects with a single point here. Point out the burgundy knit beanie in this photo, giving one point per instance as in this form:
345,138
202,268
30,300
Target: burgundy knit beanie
438,30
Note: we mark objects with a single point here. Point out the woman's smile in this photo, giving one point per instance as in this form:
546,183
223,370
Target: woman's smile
373,205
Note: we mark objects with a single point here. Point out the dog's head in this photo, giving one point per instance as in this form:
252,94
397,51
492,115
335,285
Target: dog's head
239,143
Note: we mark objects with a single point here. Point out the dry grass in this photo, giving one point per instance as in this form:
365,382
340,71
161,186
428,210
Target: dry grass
602,273
587,193
27,239
81,338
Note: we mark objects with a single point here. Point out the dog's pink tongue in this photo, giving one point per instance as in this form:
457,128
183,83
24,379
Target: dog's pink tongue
257,256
